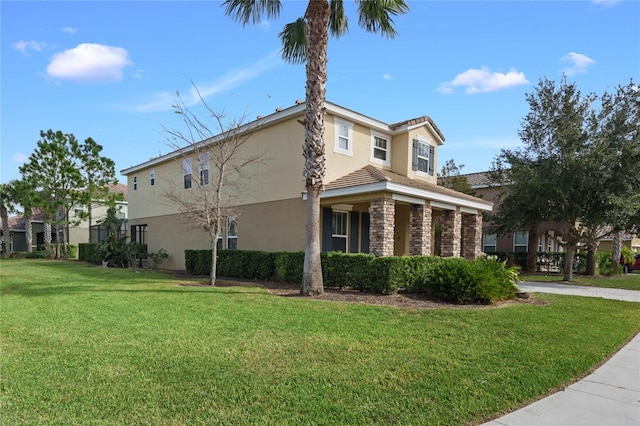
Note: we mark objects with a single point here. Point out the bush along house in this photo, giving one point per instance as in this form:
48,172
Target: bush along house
381,194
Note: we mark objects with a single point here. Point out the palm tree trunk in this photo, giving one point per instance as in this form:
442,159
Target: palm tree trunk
318,13
28,227
5,230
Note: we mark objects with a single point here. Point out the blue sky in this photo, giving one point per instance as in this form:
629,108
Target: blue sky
111,70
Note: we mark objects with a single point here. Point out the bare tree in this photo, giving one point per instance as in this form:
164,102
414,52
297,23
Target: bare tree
218,147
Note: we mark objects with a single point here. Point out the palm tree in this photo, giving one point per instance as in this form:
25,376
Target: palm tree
306,40
5,201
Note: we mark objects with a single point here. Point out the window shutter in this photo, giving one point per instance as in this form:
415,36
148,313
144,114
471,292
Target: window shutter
327,216
353,232
431,159
414,164
364,236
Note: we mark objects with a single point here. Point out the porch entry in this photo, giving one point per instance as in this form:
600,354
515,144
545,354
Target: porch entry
345,231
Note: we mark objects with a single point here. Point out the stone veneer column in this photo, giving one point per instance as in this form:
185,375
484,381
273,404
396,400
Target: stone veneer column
472,236
382,213
451,233
420,230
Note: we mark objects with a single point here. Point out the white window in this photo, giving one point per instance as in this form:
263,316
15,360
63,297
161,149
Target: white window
152,177
77,212
380,149
339,231
135,183
344,138
204,160
489,243
186,172
520,242
232,232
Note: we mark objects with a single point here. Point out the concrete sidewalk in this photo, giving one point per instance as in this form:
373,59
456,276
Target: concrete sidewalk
578,290
608,397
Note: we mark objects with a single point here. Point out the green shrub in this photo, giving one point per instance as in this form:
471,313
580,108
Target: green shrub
471,281
249,264
289,266
341,270
89,252
39,254
119,253
158,257
198,262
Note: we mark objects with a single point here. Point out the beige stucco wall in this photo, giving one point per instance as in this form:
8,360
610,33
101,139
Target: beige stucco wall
278,175
274,226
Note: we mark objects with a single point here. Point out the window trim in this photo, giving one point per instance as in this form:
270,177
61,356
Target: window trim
204,159
336,144
484,242
416,156
387,149
230,220
525,235
346,228
187,178
135,183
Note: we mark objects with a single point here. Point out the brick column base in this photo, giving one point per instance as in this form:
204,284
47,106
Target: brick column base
451,233
420,230
382,213
472,236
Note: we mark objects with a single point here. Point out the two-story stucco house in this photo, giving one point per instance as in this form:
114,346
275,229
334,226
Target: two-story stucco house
380,197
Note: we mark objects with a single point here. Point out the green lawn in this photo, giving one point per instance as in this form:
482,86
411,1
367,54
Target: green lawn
86,345
625,281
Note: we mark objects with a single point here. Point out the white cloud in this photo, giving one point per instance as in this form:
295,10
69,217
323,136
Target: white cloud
163,101
579,63
25,46
90,63
69,30
20,158
388,76
483,80
265,25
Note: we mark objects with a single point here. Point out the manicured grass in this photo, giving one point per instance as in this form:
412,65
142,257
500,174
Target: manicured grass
87,345
625,281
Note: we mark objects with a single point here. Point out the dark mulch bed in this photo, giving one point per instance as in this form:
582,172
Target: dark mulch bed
398,300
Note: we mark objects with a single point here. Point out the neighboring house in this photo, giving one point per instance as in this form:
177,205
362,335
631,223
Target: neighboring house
77,233
549,237
550,234
380,197
631,241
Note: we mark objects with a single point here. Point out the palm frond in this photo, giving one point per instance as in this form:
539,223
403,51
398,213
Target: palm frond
294,41
244,11
338,21
375,16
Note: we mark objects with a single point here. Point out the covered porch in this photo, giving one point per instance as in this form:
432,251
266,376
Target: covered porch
380,212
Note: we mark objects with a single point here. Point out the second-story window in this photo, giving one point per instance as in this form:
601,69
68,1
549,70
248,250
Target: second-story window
135,183
204,168
186,172
232,232
152,177
423,157
343,138
380,149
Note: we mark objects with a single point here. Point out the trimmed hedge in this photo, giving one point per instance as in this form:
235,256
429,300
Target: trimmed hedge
452,279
